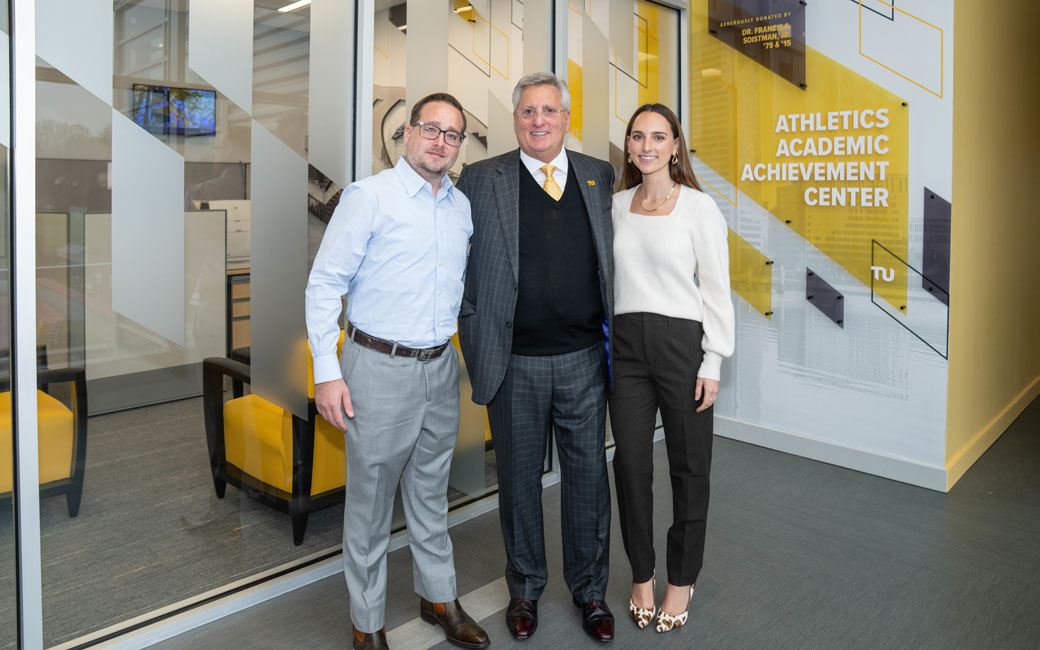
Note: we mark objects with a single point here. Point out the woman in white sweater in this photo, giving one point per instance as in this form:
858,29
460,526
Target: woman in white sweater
673,325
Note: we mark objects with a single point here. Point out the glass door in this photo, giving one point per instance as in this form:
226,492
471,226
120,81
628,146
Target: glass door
8,557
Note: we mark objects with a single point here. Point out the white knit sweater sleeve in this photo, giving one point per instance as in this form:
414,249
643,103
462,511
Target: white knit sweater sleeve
712,250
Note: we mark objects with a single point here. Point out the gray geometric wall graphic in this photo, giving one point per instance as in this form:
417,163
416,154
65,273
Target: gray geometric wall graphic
5,82
76,38
147,230
595,87
728,21
824,297
278,272
936,263
220,47
622,36
331,102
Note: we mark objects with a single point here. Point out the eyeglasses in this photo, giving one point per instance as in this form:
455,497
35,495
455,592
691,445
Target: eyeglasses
528,113
432,132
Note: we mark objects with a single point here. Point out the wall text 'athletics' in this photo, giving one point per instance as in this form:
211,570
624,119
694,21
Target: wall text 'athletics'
856,171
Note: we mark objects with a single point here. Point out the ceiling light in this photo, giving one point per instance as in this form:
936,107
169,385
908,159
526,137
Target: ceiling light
294,6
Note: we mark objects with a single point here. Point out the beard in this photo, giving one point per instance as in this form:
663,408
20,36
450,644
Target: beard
435,166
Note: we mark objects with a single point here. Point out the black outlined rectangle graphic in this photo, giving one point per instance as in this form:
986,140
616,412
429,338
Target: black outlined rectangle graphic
934,345
870,5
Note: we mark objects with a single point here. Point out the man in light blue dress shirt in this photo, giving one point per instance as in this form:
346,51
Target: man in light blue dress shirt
397,246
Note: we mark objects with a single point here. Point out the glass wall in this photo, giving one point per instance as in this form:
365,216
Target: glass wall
189,155
619,56
156,121
8,557
479,62
183,185
490,44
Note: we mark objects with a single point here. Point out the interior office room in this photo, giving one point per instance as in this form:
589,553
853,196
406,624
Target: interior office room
171,166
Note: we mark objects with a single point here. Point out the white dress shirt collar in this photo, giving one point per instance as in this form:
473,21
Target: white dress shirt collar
413,182
534,166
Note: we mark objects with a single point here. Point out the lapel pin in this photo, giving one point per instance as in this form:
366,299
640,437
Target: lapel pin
591,183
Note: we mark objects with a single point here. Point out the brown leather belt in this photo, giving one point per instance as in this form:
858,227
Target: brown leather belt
391,348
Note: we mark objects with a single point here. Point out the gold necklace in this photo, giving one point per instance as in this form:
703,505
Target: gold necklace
643,205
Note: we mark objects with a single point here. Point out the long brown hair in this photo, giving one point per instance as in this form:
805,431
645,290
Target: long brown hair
681,171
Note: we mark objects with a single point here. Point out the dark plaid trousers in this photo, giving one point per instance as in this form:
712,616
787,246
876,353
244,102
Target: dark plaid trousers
567,394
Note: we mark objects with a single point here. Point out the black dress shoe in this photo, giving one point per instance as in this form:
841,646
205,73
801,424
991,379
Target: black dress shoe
522,617
596,619
370,640
459,627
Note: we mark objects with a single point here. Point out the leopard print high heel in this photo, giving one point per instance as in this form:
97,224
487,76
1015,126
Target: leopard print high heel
642,615
666,622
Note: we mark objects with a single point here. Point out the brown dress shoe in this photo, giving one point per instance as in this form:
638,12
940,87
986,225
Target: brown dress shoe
596,619
522,617
370,640
459,627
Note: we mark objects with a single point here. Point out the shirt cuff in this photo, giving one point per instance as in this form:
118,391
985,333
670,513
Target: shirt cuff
711,367
326,368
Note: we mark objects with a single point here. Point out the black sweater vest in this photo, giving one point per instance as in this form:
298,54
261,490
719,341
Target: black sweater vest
558,304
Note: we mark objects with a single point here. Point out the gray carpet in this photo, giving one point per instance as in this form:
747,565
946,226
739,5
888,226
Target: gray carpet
800,555
151,531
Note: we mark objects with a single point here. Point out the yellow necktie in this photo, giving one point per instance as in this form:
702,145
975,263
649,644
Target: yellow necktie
550,186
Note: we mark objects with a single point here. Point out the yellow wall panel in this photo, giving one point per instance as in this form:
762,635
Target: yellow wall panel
750,274
891,279
714,136
713,109
731,95
994,303
575,85
648,69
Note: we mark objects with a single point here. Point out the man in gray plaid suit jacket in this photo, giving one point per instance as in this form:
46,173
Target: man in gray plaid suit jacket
537,302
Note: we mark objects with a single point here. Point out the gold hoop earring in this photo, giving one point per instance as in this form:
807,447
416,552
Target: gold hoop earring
629,158
675,159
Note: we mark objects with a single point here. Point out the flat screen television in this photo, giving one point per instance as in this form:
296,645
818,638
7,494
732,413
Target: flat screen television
174,111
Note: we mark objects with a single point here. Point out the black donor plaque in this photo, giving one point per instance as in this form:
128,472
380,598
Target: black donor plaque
825,298
772,32
935,276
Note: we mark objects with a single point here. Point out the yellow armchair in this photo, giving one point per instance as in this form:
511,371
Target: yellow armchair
291,464
62,435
